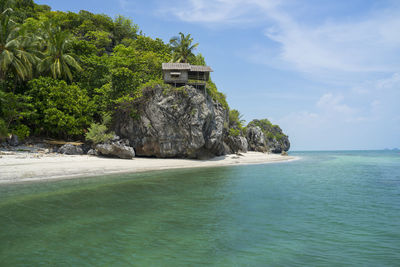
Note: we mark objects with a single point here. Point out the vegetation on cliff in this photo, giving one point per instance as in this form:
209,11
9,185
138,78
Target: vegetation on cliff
62,72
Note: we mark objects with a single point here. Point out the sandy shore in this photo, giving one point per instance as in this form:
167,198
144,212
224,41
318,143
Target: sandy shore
23,167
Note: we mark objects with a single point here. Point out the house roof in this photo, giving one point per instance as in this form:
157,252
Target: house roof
200,68
176,66
185,66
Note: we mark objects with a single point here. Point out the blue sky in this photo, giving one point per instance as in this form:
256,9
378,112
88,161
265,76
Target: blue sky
328,72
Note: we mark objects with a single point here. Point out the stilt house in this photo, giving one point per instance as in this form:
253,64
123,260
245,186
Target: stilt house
179,74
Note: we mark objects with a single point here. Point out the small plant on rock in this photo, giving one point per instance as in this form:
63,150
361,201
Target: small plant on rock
98,132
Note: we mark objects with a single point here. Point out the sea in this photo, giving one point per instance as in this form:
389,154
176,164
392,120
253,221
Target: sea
339,208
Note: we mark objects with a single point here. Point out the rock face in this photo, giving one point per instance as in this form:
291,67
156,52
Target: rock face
269,138
69,149
236,144
181,122
276,146
115,149
256,139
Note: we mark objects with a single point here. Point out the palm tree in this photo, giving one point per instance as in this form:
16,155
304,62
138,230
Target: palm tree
57,61
182,48
14,49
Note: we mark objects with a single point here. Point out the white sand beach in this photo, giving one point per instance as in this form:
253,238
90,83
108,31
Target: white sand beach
23,167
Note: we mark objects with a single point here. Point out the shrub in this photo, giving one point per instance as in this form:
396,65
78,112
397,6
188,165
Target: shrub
3,129
61,110
234,132
22,131
97,132
215,95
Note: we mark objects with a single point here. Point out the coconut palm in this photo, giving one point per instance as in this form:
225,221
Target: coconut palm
57,61
182,48
14,49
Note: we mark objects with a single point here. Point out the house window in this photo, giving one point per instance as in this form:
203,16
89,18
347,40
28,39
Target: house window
175,74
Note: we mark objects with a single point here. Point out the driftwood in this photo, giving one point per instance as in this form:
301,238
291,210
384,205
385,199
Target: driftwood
61,142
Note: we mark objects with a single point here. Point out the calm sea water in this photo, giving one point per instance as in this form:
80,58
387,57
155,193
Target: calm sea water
328,209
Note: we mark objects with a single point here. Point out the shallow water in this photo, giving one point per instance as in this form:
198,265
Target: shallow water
327,209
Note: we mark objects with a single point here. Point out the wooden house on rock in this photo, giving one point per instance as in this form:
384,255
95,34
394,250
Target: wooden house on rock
180,74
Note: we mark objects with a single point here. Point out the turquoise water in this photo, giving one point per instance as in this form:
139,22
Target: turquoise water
328,209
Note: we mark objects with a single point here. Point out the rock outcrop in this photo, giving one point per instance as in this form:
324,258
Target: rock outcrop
236,144
12,140
118,149
266,137
178,122
70,149
256,139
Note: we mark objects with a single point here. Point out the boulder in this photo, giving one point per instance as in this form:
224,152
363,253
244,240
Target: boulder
70,149
92,152
13,140
237,144
115,149
184,122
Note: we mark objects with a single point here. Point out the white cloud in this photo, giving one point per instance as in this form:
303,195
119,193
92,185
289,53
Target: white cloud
218,11
330,102
371,44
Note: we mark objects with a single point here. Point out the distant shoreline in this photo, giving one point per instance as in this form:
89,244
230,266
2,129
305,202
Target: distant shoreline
34,167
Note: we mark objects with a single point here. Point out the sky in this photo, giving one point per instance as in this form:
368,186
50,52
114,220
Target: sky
327,72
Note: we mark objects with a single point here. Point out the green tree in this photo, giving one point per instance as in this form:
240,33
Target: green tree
62,110
182,48
123,28
235,119
14,49
57,60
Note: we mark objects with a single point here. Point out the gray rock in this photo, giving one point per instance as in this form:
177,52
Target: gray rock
268,138
115,149
13,140
70,149
237,144
92,152
174,123
256,139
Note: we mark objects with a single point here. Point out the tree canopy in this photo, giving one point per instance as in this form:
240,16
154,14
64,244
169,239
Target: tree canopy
61,72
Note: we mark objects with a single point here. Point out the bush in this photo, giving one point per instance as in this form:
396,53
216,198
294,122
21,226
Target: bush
234,132
3,129
61,110
22,131
97,132
215,95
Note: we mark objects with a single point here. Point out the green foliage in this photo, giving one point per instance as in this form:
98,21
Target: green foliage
15,48
22,131
15,109
123,81
234,132
111,64
216,95
3,129
123,29
235,119
182,48
270,130
57,61
199,60
98,132
62,110
100,39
